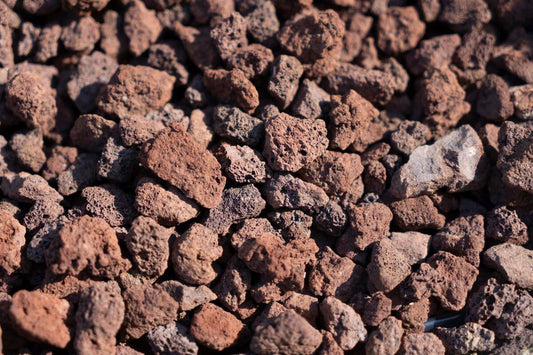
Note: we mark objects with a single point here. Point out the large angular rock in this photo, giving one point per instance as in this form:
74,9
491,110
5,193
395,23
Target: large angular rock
514,262
455,162
176,157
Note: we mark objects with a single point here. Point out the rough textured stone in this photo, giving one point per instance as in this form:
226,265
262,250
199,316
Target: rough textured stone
504,225
110,203
117,163
148,243
409,136
446,277
376,308
467,338
188,297
417,213
334,275
291,143
168,206
414,245
343,322
12,240
284,82
146,308
513,262
242,164
311,101
386,339
172,338
464,236
146,88
231,123
433,52
232,87
80,34
399,29
288,333
370,222
514,161
290,192
42,212
91,132
388,266
141,27
215,328
493,99
229,35
522,98
28,149
193,254
455,162
98,318
422,343
176,157
40,317
27,188
236,205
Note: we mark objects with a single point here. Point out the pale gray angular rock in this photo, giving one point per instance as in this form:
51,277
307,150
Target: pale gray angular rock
514,262
467,338
171,339
291,192
188,297
456,162
414,245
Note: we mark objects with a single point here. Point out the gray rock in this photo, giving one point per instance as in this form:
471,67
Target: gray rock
171,339
456,162
514,262
467,338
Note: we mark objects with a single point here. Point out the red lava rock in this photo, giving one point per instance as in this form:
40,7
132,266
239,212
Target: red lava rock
292,224
188,297
91,132
374,85
28,188
98,318
350,114
415,314
193,254
215,328
515,141
284,82
513,262
28,149
333,171
47,45
288,333
141,26
435,52
522,98
80,35
186,165
417,213
305,305
422,343
78,175
146,308
399,30
333,275
59,159
464,236
168,206
441,100
83,7
386,339
232,87
376,309
234,284
493,100
148,243
236,205
137,129
42,212
290,192
388,267
32,100
12,240
113,41
343,322
144,88
444,276
92,73
100,255
229,35
198,44
370,222
465,16
117,163
263,23
40,317
291,143
505,226
298,36
204,10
